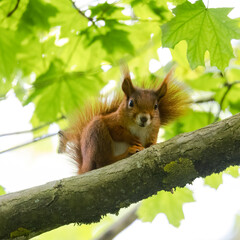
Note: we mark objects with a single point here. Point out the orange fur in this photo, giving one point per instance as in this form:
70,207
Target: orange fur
70,138
175,103
102,124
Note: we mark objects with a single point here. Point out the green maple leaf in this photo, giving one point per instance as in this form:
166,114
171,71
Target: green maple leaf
168,203
8,7
68,18
37,16
115,40
8,50
57,92
1,190
214,180
233,171
106,9
204,30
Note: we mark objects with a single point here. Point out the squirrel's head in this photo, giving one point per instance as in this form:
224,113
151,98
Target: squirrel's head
141,105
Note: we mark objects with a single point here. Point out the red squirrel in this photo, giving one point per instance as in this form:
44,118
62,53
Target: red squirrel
105,133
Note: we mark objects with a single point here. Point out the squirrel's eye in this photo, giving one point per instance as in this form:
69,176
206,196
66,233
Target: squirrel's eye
155,107
130,103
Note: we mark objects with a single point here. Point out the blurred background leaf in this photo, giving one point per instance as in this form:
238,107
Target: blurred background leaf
166,202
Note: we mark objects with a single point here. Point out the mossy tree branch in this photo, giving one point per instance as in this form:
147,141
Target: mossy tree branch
85,198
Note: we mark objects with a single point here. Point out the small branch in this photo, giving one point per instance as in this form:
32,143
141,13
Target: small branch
203,100
14,9
127,19
119,225
3,98
233,83
81,12
116,19
27,143
229,86
31,130
211,99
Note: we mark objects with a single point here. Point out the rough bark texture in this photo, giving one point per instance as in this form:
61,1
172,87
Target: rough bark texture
85,198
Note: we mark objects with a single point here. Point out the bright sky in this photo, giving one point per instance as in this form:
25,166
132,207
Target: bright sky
211,217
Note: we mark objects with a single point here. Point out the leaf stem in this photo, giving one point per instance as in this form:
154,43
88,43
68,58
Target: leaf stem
14,9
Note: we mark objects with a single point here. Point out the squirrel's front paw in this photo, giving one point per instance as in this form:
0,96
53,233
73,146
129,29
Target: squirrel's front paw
134,149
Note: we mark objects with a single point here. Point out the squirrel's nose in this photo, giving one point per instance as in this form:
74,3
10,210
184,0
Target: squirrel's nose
143,119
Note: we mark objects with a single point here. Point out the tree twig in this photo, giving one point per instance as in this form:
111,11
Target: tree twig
30,142
229,86
116,19
14,9
120,225
81,12
3,98
31,130
221,102
203,100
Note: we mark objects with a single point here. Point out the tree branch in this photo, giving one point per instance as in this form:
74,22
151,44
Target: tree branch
85,198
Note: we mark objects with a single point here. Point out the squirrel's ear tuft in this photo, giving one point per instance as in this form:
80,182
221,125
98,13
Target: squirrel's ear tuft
161,92
127,85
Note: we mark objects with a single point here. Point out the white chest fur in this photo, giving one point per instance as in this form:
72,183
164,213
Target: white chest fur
141,132
119,148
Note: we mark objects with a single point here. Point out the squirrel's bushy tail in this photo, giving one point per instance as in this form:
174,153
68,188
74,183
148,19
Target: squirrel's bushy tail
175,103
71,137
